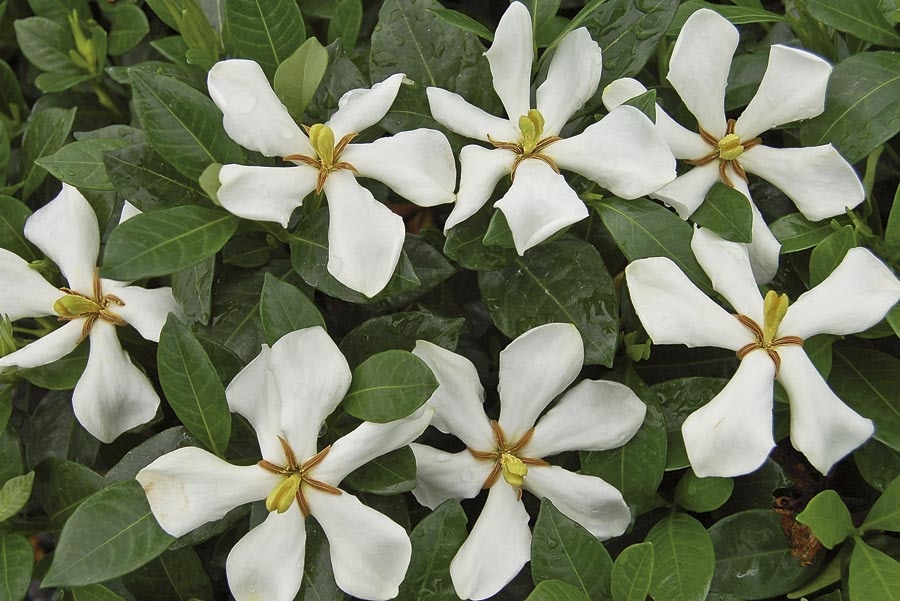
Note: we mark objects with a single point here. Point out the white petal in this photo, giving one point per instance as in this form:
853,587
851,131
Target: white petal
728,266
252,114
792,88
622,152
590,501
368,441
496,549
572,79
595,415
480,170
732,434
364,237
459,398
822,427
66,230
764,247
190,487
819,181
112,395
145,310
674,311
265,193
23,291
621,91
253,394
688,191
534,369
453,112
47,349
418,165
441,475
128,211
362,108
855,296
267,563
369,551
510,57
698,69
538,204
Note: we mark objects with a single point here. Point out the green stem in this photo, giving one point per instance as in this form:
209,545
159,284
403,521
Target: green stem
105,99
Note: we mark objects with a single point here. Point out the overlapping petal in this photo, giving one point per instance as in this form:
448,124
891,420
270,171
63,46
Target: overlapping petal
480,170
23,291
728,266
253,394
453,112
145,309
441,475
265,193
48,348
363,108
510,57
687,192
572,79
764,247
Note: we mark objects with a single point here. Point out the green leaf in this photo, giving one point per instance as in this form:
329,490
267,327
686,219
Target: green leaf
796,232
702,494
391,474
183,125
91,592
554,590
679,398
726,212
299,75
738,15
13,215
173,576
463,22
16,563
265,31
345,23
165,241
399,331
829,253
828,518
877,463
388,386
862,18
683,559
435,541
192,288
861,111
111,533
147,451
14,494
868,381
283,308
61,486
465,244
561,549
12,103
62,374
45,133
632,572
192,386
81,164
45,43
11,455
54,432
147,181
873,574
127,27
564,280
646,103
885,513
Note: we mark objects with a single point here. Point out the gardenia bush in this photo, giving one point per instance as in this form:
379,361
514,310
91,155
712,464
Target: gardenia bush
548,300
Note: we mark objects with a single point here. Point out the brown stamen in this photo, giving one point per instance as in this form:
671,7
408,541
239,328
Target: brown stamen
504,448
522,154
303,470
724,162
770,348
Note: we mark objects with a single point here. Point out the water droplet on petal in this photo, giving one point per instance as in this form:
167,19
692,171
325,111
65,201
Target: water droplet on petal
442,458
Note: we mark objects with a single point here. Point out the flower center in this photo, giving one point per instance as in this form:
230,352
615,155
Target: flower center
75,305
774,309
726,150
294,477
328,154
532,143
507,459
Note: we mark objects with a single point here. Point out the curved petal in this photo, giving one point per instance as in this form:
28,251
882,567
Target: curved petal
688,191
418,165
145,310
572,79
622,152
480,170
854,297
23,291
364,237
459,398
698,69
732,434
253,394
362,108
453,112
267,563
674,311
65,229
538,204
819,181
822,427
595,415
265,193
792,88
112,395
510,58
590,501
534,369
728,266
47,349
764,247
441,475
190,487
369,551
368,441
128,211
497,547
252,114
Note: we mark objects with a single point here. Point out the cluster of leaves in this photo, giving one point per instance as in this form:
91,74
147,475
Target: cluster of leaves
126,80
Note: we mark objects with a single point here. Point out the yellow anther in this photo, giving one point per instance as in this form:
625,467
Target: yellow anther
774,308
321,137
73,306
730,147
514,469
532,128
284,493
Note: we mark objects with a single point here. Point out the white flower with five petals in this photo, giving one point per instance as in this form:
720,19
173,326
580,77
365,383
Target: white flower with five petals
112,395
622,152
817,179
732,434
364,236
506,456
286,393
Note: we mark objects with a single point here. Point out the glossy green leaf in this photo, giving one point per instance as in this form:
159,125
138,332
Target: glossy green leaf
91,592
465,244
702,494
265,31
555,590
885,513
868,381
399,331
873,574
463,22
299,75
862,18
877,463
147,181
435,541
54,432
127,27
796,232
389,386
63,373
16,563
81,164
828,518
738,15
45,133
318,578
14,493
726,212
60,487
679,398
345,22
646,103
173,576
13,215
45,43
283,308
391,474
192,288
147,451
683,559
829,253
632,573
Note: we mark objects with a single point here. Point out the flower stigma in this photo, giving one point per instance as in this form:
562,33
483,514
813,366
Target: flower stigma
75,305
294,477
775,307
507,460
328,154
531,126
726,150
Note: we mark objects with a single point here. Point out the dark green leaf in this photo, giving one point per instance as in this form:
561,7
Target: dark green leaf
173,576
192,288
45,43
632,573
61,486
702,494
877,463
829,253
726,212
885,513
796,232
10,455
63,373
828,518
345,23
464,22
862,18
128,26
283,308
679,398
146,452
554,590
465,244
435,541
299,75
147,181
388,386
318,578
738,15
80,164
646,103
399,331
868,381
13,215
265,31
14,493
45,133
873,574
5,151
16,563
13,109
54,432
683,559
391,474
91,592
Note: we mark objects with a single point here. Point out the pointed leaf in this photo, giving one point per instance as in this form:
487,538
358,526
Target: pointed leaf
388,386
683,559
435,541
283,308
16,563
873,574
14,494
265,31
726,212
885,513
632,572
828,518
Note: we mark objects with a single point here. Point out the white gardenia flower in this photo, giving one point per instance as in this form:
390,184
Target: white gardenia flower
732,434
364,236
286,393
622,152
112,395
506,455
817,179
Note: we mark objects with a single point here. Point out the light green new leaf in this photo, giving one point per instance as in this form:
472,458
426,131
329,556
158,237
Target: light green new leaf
389,386
632,572
828,518
885,513
16,563
873,574
299,75
683,559
14,495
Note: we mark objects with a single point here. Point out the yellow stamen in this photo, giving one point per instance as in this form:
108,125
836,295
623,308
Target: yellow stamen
328,154
284,493
75,305
294,478
774,309
730,147
514,469
507,459
321,137
532,144
726,150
